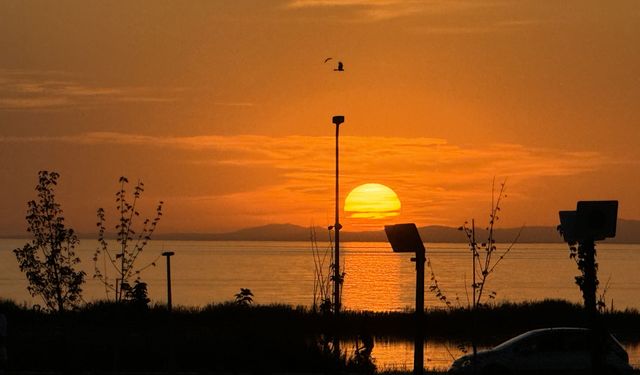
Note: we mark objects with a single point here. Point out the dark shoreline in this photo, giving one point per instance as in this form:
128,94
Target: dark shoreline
104,336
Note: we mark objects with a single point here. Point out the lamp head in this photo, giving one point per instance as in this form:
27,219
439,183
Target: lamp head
404,238
338,120
592,220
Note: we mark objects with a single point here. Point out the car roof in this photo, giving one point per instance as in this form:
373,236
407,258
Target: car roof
537,332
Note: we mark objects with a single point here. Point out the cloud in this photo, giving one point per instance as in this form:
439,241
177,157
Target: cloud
502,26
233,104
290,178
366,10
33,103
386,9
28,90
308,161
306,153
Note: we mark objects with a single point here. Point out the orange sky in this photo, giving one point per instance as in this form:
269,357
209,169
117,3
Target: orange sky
223,108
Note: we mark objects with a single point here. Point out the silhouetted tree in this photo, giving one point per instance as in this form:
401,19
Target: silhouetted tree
130,242
49,260
485,254
136,294
245,297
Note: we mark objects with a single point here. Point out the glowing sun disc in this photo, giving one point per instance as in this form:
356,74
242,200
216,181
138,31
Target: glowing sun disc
372,201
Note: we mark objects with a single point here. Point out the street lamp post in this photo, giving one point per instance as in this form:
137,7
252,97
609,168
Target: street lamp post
337,120
404,238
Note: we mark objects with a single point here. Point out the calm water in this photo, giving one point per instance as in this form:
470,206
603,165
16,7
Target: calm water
376,278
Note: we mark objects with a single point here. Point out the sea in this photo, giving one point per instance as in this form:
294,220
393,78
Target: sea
376,278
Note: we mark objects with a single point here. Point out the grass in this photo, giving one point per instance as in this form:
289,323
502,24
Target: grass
275,338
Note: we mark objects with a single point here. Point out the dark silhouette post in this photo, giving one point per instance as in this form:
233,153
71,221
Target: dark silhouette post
591,221
418,353
3,344
589,288
405,238
337,277
590,278
473,261
474,256
171,360
168,255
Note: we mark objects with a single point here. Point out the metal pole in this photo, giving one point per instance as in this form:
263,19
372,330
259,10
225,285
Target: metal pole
473,306
172,359
590,304
418,350
168,255
590,279
405,238
473,256
336,275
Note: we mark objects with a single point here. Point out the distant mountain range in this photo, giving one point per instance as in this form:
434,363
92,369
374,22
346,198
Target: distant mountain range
628,231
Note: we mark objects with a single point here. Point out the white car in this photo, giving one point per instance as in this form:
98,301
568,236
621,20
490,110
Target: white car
546,351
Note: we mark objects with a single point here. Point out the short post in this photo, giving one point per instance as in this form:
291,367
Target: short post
405,238
418,350
590,280
168,255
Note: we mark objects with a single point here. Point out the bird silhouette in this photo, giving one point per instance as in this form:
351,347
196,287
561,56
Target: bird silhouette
340,67
327,59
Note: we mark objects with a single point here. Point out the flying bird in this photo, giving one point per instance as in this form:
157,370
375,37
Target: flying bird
327,59
340,67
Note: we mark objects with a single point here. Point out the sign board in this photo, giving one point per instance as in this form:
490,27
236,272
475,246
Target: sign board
568,225
404,238
592,220
596,219
337,120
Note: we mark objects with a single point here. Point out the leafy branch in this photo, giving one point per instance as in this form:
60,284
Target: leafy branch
486,256
130,243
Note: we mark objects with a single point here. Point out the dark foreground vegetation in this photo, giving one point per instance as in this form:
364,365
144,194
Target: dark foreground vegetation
232,338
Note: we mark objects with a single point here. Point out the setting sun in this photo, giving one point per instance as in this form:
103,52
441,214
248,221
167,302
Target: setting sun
372,201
